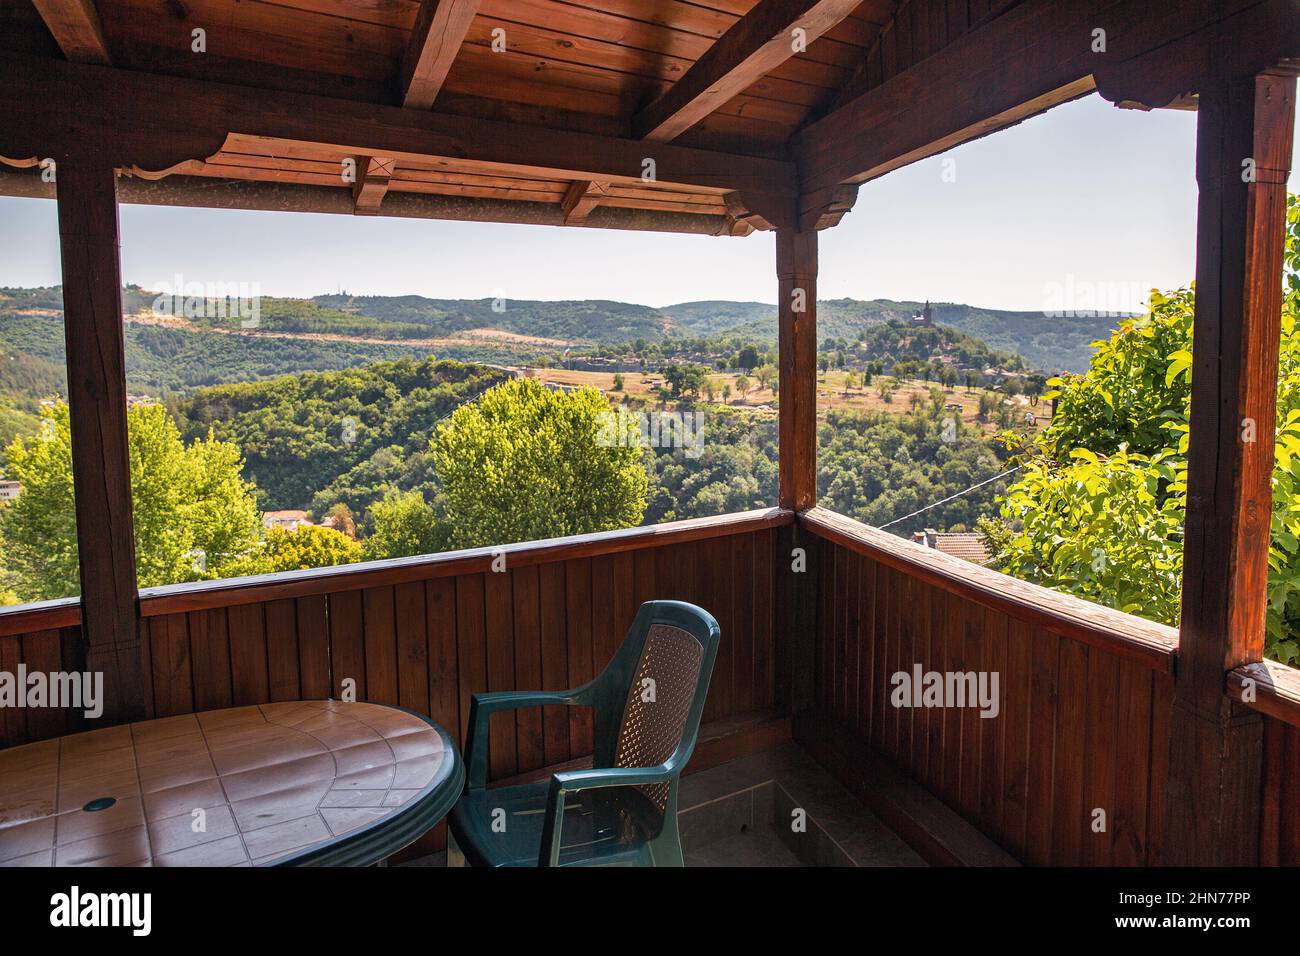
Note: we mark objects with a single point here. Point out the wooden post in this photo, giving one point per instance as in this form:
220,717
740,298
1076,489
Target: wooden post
1243,154
797,551
92,306
796,270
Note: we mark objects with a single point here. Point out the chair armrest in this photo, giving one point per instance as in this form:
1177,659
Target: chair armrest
483,706
574,781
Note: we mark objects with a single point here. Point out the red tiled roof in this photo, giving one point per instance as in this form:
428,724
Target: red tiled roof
967,545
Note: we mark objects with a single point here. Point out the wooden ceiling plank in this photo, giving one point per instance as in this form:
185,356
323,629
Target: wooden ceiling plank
76,28
756,44
440,29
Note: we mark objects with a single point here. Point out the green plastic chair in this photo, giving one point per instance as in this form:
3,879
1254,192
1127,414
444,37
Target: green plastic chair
647,704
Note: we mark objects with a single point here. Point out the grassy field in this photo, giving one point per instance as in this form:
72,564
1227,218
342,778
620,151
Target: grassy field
831,393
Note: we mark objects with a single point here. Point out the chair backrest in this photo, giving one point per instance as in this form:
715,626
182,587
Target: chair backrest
651,695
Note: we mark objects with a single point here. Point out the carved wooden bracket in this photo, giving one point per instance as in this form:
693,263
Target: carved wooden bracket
1262,39
826,207
761,210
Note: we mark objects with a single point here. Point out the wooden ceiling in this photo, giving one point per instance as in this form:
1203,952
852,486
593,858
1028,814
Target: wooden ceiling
758,113
713,74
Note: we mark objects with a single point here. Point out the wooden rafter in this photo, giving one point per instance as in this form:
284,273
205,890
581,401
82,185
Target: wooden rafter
440,29
373,176
580,199
755,45
129,107
76,28
1162,49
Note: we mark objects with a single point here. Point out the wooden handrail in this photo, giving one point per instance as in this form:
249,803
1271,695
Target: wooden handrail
1275,689
40,616
204,595
1113,631
175,598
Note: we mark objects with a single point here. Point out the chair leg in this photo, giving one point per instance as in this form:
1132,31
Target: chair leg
454,855
666,849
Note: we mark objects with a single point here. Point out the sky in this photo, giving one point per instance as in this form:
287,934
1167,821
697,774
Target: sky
1085,200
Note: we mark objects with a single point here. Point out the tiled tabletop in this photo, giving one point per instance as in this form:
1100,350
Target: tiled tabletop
238,787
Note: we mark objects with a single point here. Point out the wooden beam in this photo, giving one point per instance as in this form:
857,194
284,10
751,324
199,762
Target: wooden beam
796,269
580,199
1032,57
123,115
1243,157
373,176
756,44
76,29
92,317
198,192
440,29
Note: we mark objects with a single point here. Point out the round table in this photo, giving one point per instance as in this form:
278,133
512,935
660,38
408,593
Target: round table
315,783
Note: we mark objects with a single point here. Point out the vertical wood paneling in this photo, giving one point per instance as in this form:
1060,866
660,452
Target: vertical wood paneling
970,720
210,654
1101,732
471,643
412,646
994,647
500,624
1016,707
347,650
13,720
530,744
313,647
1044,658
169,654
440,634
1069,821
764,619
43,654
577,607
606,635
248,673
282,650
380,630
1129,826
555,661
1078,729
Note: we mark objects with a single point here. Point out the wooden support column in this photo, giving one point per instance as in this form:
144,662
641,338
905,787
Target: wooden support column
1243,153
92,306
796,270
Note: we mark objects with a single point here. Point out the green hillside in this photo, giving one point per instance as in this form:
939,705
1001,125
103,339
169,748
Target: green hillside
1049,344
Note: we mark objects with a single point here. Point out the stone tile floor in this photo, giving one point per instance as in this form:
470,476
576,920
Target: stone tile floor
740,814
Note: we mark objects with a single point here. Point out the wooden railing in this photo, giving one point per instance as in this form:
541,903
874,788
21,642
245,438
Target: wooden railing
1274,690
428,632
1085,692
1085,695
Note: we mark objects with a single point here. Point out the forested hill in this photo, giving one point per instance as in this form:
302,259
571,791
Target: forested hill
1049,344
460,327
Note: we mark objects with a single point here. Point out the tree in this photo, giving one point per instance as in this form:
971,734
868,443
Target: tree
1099,508
402,525
195,516
684,380
618,381
339,517
307,546
743,385
747,358
726,393
523,463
